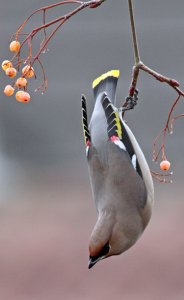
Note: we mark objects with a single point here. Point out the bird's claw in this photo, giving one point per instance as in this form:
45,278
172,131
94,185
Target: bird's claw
131,101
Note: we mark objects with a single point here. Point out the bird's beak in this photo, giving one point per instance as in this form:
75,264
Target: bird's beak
93,261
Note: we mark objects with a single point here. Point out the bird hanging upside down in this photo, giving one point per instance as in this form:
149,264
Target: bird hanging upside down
121,181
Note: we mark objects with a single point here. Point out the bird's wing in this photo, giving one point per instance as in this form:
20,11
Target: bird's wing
87,135
117,132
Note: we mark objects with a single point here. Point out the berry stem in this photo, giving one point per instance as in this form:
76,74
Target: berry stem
44,84
174,119
164,131
58,22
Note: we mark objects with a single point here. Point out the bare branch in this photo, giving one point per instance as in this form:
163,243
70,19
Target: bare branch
136,50
134,35
139,65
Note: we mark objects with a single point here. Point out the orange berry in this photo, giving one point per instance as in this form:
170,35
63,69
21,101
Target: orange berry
21,82
11,72
14,46
165,165
22,96
19,95
28,71
9,90
6,64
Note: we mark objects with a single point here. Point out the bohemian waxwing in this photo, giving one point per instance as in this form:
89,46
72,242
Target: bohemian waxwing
121,181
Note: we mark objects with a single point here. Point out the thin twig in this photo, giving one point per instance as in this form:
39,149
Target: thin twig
162,178
136,51
167,129
134,35
173,121
172,82
82,5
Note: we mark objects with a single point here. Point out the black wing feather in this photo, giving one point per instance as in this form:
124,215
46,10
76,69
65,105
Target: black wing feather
87,135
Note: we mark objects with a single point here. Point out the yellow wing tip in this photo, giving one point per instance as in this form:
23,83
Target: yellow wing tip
113,73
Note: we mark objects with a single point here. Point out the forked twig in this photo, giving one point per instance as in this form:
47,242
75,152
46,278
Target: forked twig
139,65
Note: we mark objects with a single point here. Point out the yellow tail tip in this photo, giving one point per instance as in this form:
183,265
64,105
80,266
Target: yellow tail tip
112,73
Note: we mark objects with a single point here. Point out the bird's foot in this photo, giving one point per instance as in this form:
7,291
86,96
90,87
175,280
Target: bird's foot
130,101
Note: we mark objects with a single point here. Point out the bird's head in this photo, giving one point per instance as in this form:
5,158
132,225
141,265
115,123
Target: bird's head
100,248
108,241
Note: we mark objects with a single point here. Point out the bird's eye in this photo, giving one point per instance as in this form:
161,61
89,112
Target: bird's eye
105,250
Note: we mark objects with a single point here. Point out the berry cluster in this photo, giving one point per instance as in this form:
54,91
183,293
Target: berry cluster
25,39
21,83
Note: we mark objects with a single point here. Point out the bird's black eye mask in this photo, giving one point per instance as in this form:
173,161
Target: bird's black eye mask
103,252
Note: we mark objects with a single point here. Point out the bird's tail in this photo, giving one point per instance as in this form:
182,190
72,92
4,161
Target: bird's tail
106,83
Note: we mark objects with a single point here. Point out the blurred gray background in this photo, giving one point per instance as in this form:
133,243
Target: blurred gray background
47,213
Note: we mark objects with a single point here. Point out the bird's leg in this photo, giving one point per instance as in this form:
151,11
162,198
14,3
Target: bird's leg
130,101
